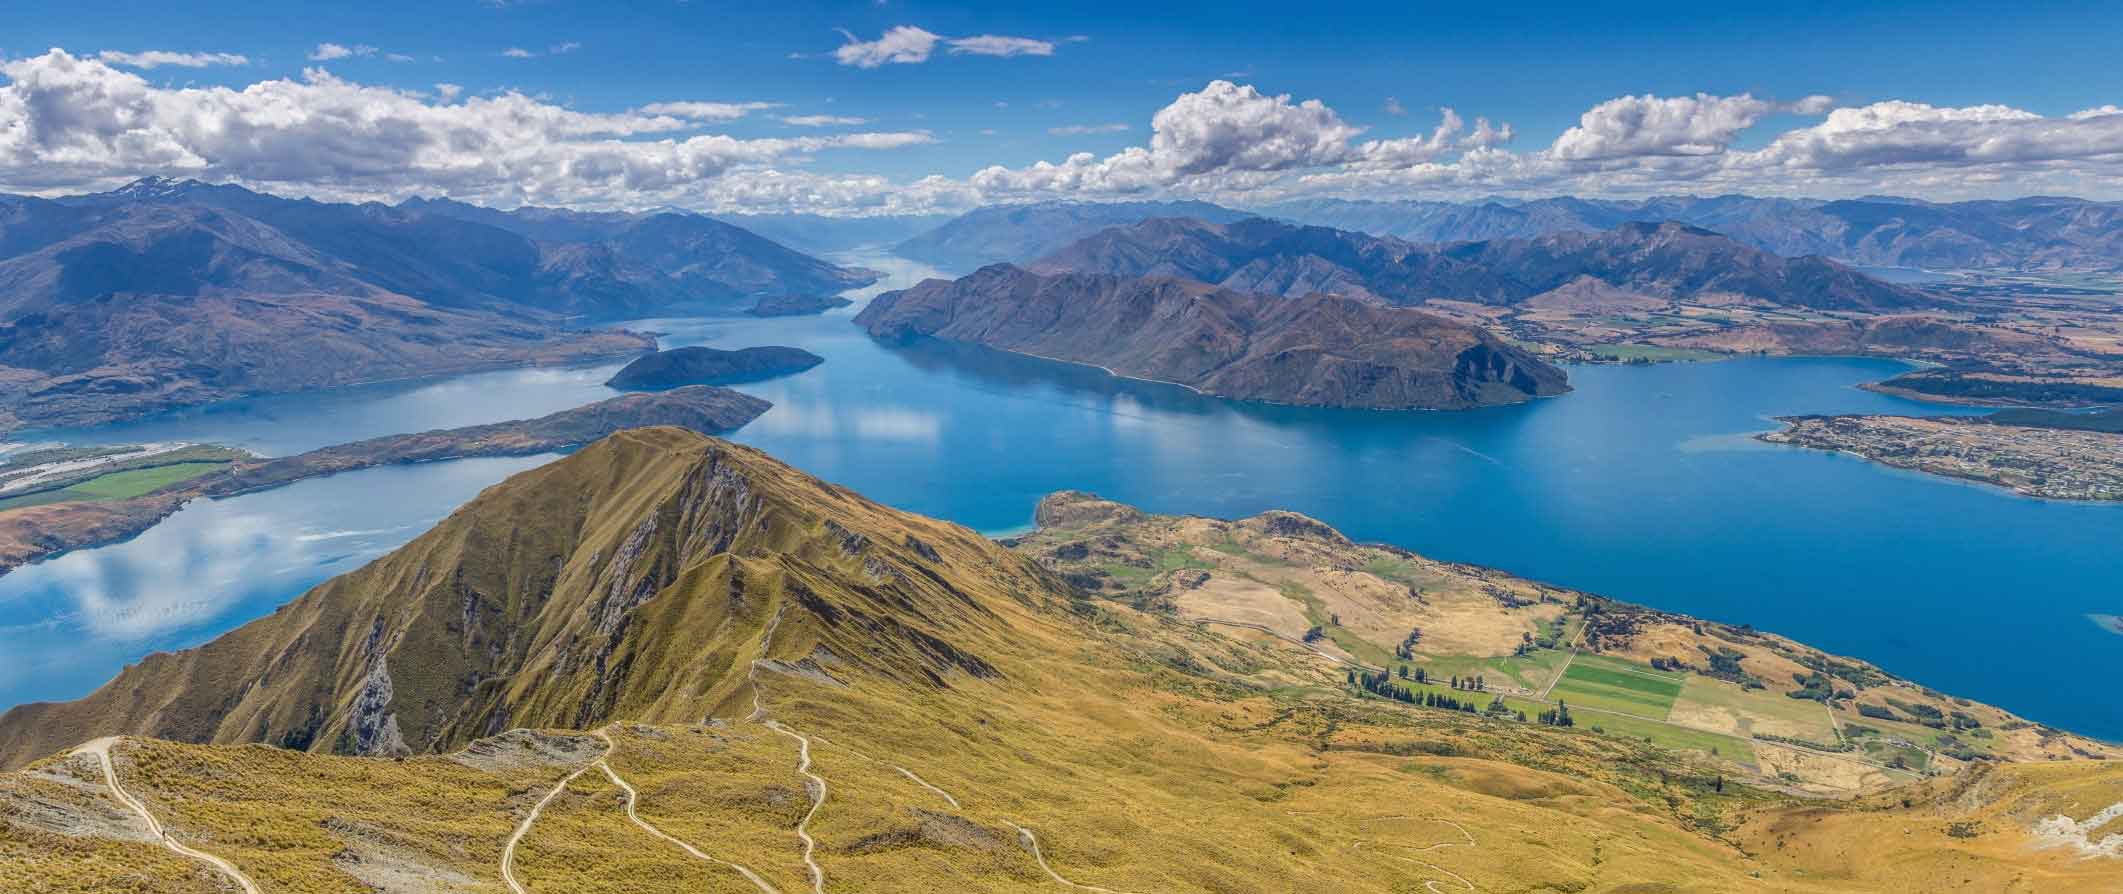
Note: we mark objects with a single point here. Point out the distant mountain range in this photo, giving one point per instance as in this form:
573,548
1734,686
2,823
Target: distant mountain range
1019,233
2037,233
1323,350
818,234
166,293
1666,261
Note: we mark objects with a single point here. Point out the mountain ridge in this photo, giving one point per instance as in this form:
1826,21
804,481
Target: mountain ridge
1016,234
1669,260
1319,350
2028,233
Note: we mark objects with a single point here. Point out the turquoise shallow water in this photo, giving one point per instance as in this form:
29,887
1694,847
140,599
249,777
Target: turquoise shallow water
1641,484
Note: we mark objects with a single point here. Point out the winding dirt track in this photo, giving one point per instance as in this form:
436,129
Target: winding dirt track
633,798
816,787
925,784
101,748
1031,843
1431,885
508,853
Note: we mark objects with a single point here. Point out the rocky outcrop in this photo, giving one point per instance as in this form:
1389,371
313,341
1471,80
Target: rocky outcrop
1075,508
711,366
1322,350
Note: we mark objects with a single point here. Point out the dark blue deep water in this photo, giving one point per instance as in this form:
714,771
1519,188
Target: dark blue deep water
1642,484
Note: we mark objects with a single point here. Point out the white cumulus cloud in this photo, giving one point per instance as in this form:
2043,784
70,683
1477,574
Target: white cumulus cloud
1652,125
326,52
907,44
69,123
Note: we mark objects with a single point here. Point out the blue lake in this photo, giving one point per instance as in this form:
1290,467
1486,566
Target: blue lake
1642,484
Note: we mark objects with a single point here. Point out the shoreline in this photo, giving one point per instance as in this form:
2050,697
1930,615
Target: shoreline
34,537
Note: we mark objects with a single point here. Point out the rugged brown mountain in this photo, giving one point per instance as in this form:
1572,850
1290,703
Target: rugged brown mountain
1668,261
615,582
1321,349
170,293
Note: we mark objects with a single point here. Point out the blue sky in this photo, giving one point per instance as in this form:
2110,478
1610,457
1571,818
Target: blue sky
1052,80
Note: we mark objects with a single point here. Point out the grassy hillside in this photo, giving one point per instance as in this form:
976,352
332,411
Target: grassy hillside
813,692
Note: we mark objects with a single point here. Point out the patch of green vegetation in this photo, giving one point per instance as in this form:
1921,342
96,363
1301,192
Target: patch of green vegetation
1617,685
1162,563
136,482
123,479
1396,569
117,485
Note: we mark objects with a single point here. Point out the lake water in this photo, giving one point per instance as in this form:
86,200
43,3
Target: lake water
1642,484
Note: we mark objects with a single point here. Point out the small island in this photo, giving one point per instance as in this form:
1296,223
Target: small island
796,305
2071,459
710,366
136,487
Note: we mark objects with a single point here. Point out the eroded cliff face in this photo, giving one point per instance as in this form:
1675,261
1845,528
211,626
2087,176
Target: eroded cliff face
1323,350
622,580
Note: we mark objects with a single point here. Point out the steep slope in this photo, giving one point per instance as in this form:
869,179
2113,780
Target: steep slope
616,582
1321,349
2033,233
1665,261
817,741
1020,233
